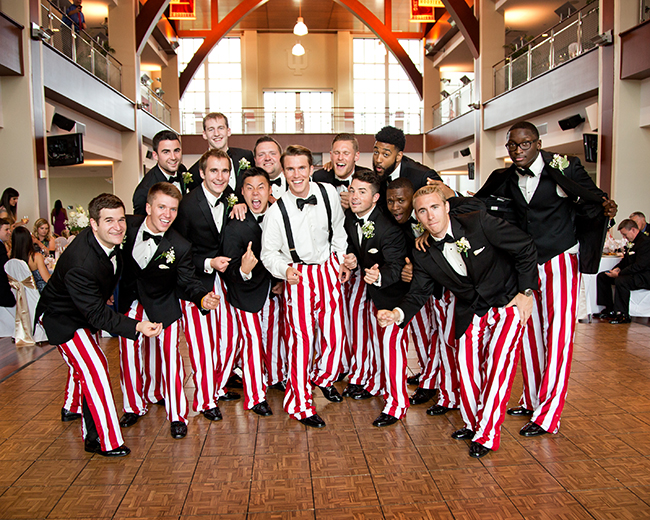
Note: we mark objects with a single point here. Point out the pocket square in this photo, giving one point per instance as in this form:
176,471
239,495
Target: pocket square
478,251
163,266
373,251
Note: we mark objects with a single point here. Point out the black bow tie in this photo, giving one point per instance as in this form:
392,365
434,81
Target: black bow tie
113,253
309,200
525,171
277,182
156,238
440,244
361,222
260,219
177,179
338,182
220,200
413,221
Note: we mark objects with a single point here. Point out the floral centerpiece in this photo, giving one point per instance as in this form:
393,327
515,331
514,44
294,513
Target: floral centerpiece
77,220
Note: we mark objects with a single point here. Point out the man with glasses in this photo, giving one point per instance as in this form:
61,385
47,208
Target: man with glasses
554,200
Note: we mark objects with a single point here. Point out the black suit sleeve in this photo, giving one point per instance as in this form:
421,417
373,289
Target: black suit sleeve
234,248
140,197
578,174
187,280
393,249
422,287
641,262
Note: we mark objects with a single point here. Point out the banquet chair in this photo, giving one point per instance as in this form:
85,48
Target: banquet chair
27,296
640,303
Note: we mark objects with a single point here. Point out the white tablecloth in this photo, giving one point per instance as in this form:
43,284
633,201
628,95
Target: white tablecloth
588,294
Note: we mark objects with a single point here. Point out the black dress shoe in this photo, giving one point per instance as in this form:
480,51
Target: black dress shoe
280,385
178,429
520,411
463,433
351,390
532,429
605,315
384,420
212,414
438,409
67,415
422,395
477,450
234,381
129,419
414,380
94,447
230,396
313,422
161,402
620,318
262,409
341,377
331,394
364,394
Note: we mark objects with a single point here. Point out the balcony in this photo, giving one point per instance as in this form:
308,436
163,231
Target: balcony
153,104
454,105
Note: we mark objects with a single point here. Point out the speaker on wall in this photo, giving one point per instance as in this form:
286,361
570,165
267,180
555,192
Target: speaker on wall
590,143
63,122
571,122
465,152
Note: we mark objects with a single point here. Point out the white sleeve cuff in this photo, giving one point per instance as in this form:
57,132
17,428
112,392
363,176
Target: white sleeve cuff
245,276
400,319
378,281
207,268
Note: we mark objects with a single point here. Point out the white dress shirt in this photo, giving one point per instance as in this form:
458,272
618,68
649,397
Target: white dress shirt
452,255
360,235
217,216
143,250
248,276
396,172
175,183
278,191
108,252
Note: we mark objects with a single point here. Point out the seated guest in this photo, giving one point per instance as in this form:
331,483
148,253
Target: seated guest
632,272
7,298
43,240
641,223
22,248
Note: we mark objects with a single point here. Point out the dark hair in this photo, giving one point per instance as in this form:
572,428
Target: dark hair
347,137
525,125
254,171
57,206
294,150
215,115
164,135
4,222
103,201
266,139
392,135
213,152
637,214
401,183
22,245
7,195
369,176
628,224
165,188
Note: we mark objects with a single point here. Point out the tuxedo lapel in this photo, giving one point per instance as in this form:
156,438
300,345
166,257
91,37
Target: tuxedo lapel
156,259
204,206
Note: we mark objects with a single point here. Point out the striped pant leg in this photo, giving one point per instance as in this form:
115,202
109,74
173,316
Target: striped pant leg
152,373
448,381
250,327
358,336
275,351
300,308
348,313
533,358
132,365
559,286
91,370
200,334
422,330
498,367
393,341
72,395
168,344
471,347
228,339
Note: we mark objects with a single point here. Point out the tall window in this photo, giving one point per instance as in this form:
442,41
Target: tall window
216,86
303,111
383,94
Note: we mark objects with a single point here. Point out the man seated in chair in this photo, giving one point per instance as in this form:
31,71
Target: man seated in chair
631,273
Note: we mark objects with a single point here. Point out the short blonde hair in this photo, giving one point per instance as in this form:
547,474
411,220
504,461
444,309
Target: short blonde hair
429,190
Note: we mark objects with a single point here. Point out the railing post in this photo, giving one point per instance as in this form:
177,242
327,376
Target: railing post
509,75
73,35
579,33
551,50
529,63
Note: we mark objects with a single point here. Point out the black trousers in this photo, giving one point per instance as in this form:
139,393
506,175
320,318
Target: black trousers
619,301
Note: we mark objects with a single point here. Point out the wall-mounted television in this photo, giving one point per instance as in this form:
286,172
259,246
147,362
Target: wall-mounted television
65,150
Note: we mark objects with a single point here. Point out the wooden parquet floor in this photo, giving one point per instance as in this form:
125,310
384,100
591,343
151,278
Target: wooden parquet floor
247,467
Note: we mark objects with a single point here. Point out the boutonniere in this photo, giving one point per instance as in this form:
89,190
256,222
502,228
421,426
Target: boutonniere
232,198
169,257
373,251
559,162
368,229
463,245
629,246
187,177
244,164
418,229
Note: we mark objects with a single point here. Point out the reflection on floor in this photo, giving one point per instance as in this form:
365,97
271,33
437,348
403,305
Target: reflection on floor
272,467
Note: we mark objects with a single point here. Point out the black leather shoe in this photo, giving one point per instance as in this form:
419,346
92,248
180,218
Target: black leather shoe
313,422
95,447
364,394
620,318
384,420
438,409
129,419
331,394
605,315
212,414
341,377
532,429
178,429
414,380
422,395
234,381
463,433
67,415
230,396
160,403
280,385
520,411
477,450
262,409
351,390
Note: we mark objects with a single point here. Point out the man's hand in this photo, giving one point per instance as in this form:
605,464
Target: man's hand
210,301
613,273
524,304
111,300
239,211
272,199
350,261
344,273
248,261
407,271
610,208
293,275
149,329
220,263
327,166
449,193
422,242
386,317
278,288
345,199
372,274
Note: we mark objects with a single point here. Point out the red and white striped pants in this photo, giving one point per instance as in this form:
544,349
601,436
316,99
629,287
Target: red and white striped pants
251,355
133,369
547,343
72,395
91,371
424,333
314,311
349,312
274,344
487,361
359,332
228,339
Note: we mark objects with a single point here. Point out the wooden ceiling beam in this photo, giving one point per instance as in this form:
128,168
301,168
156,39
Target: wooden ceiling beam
146,21
467,23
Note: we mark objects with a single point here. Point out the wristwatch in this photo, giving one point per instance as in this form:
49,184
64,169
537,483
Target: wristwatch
528,292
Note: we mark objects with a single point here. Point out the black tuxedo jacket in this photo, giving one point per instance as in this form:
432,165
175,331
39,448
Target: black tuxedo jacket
155,285
414,171
636,261
152,177
235,154
7,298
75,296
387,248
501,262
579,216
195,223
328,177
247,295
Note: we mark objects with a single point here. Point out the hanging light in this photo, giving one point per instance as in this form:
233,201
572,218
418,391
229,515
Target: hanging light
300,29
298,49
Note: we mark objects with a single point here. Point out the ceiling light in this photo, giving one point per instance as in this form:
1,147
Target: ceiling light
298,49
300,29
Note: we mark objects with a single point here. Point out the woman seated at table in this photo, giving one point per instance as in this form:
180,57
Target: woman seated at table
43,240
22,248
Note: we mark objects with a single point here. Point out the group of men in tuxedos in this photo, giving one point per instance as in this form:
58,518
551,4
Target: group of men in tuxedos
315,276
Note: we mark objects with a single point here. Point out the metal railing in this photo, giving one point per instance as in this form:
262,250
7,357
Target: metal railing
258,120
155,105
455,105
567,40
79,46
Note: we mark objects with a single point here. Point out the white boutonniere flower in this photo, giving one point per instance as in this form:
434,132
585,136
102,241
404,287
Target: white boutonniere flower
169,256
418,229
560,162
629,246
163,266
373,251
368,229
187,177
244,164
232,198
463,245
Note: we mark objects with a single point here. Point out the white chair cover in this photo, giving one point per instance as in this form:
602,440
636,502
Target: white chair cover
7,321
61,242
640,303
27,296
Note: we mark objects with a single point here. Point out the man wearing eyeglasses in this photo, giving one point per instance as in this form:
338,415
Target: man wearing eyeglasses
554,200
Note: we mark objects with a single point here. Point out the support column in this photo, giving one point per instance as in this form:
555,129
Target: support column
431,96
169,76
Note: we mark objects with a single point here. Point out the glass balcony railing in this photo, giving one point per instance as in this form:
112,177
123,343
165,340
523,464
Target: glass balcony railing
153,104
454,105
80,47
